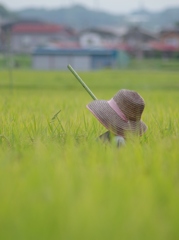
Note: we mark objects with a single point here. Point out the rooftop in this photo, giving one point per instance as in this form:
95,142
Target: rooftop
37,28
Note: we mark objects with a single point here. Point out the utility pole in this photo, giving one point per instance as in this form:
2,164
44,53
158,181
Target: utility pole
9,58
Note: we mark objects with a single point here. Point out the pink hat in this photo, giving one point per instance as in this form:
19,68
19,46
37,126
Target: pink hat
122,113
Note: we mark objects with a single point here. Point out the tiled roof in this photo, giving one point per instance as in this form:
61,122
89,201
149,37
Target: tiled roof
160,46
37,28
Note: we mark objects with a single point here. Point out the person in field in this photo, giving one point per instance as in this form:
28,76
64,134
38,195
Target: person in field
121,115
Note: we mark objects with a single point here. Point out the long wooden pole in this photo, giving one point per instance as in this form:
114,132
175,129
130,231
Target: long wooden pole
106,134
81,81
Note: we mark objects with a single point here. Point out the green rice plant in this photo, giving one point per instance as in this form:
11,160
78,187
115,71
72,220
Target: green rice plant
58,182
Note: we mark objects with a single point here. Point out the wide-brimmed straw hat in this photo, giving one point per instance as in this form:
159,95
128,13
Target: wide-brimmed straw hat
121,114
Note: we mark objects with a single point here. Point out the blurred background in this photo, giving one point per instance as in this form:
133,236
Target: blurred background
94,35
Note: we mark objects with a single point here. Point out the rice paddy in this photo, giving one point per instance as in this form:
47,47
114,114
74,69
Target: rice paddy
58,182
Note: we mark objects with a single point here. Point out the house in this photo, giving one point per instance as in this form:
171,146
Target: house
170,37
98,37
136,36
50,58
167,45
137,39
25,36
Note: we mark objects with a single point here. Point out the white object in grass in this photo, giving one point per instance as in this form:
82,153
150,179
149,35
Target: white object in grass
119,140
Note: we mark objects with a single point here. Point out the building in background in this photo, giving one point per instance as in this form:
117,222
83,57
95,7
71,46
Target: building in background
91,48
136,39
165,47
100,37
170,37
25,36
80,59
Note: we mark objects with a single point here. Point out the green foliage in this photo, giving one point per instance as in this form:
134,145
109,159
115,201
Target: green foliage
18,60
78,16
58,182
5,13
157,63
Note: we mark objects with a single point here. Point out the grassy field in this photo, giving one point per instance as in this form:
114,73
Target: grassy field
58,182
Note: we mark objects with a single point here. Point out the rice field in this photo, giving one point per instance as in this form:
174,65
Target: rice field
58,182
